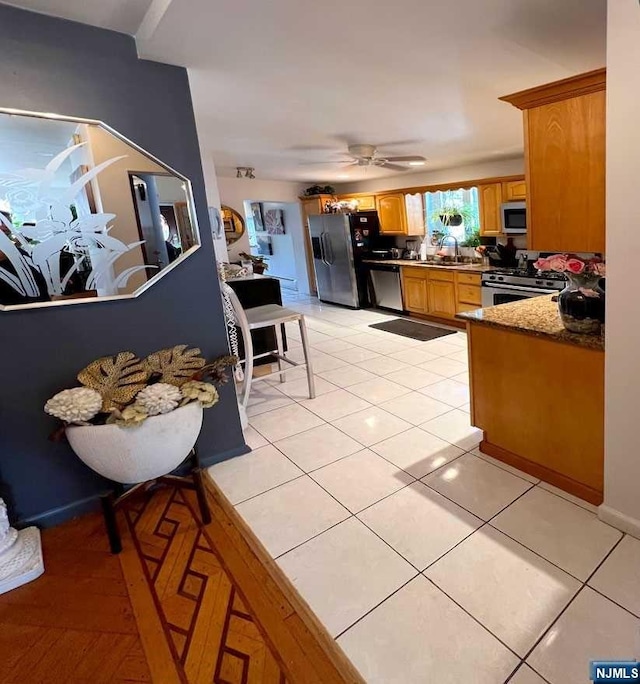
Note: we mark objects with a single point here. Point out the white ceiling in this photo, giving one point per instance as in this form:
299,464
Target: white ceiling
124,16
282,83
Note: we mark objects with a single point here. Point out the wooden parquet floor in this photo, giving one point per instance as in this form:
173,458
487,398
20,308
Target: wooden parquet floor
181,604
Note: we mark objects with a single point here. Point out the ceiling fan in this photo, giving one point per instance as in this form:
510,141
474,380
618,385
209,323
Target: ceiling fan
367,155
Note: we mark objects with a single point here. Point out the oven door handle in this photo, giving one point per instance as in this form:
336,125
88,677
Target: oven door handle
519,288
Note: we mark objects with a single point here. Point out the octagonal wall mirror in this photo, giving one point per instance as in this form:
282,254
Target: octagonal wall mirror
85,214
233,223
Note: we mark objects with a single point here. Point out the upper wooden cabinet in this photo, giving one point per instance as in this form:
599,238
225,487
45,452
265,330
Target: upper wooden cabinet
490,199
391,213
414,207
401,214
314,204
514,191
564,126
365,202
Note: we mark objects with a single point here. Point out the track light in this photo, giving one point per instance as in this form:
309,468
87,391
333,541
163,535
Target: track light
246,171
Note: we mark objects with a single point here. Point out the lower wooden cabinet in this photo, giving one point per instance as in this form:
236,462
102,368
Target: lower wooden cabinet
415,294
439,292
442,298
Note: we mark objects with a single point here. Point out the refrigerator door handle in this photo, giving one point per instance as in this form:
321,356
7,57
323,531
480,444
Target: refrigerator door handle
327,260
322,256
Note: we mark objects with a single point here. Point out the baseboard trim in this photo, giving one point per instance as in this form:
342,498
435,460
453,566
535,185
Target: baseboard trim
56,516
623,522
579,489
205,461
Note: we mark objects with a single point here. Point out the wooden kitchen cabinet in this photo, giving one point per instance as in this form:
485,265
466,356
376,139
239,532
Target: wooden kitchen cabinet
365,202
442,298
401,214
414,207
514,191
415,294
562,447
468,291
564,125
490,199
439,292
392,213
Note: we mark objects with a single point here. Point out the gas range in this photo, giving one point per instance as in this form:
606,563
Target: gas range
504,285
544,280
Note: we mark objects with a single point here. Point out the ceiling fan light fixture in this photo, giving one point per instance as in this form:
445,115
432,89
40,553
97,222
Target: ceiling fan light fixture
417,163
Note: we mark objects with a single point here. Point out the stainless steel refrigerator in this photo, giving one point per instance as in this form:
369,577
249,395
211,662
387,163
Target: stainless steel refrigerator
339,241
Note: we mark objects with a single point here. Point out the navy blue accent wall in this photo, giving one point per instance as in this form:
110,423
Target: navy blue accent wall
51,65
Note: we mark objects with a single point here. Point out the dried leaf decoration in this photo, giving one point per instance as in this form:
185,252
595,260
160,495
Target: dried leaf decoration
118,378
175,365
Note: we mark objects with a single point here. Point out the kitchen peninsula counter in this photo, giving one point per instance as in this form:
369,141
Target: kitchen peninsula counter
465,268
537,393
536,316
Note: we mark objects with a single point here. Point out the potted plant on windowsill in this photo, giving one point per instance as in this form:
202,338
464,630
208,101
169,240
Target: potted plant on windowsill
135,419
258,263
470,244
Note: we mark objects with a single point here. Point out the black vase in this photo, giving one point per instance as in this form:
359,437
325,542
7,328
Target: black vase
581,304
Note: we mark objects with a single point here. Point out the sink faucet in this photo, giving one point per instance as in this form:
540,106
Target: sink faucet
455,240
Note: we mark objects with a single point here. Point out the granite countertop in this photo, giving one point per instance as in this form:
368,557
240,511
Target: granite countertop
537,315
473,268
251,276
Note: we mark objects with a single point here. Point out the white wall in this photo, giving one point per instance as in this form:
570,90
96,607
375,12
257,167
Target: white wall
622,385
234,191
503,167
213,200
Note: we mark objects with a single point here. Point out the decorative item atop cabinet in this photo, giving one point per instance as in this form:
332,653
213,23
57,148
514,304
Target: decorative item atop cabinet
564,130
362,202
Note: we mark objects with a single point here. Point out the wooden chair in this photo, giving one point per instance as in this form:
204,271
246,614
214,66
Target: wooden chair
269,316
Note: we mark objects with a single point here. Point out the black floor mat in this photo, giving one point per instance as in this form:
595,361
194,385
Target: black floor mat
416,331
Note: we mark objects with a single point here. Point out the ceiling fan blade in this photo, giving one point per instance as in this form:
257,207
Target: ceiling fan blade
410,158
393,167
315,163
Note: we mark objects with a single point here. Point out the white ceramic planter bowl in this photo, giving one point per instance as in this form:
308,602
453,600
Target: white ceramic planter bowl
136,454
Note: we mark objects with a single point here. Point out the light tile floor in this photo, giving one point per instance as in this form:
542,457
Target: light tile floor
427,560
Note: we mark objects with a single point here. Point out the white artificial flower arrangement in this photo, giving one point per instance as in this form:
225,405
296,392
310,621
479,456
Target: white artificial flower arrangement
126,390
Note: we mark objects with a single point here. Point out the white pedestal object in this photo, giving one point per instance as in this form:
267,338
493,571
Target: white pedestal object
20,554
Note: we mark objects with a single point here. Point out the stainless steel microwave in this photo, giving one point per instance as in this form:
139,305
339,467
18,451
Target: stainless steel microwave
514,218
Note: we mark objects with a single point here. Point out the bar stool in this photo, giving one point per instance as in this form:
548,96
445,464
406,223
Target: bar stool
269,316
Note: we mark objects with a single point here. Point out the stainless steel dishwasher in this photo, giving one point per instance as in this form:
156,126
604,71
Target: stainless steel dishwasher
386,286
